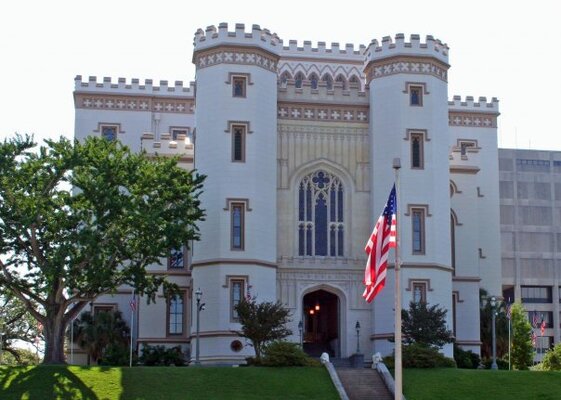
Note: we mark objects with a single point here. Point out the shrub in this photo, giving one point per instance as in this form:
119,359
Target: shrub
552,359
160,355
419,356
501,363
286,354
466,359
117,355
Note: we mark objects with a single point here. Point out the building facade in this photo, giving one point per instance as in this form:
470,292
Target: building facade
530,195
297,143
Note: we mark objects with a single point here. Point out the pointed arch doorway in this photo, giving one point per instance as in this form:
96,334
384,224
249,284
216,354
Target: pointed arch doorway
321,316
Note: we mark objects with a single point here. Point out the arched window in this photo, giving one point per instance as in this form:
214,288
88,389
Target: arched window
321,228
313,81
354,82
341,79
285,77
328,81
299,79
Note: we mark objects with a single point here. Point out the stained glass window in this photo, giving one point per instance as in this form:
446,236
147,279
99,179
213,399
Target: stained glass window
320,215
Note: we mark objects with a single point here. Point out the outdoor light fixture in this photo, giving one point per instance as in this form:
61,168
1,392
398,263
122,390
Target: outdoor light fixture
493,303
312,311
357,327
317,307
300,328
198,295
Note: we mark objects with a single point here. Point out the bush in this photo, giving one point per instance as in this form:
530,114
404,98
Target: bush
116,355
419,356
552,359
160,355
286,354
501,363
466,359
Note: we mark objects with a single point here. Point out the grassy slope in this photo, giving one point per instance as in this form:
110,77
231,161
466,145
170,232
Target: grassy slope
153,383
461,384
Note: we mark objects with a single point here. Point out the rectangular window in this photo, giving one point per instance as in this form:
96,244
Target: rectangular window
417,156
176,258
109,132
237,211
239,84
418,230
98,309
419,292
181,133
416,95
237,287
238,143
464,146
536,294
176,315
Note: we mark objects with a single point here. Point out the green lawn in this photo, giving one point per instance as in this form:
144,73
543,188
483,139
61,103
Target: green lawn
152,383
462,384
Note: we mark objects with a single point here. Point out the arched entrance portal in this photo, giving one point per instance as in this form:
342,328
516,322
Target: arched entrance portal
321,323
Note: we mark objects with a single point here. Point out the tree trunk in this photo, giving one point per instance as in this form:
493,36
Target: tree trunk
54,339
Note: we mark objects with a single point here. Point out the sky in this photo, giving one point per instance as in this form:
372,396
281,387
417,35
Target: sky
509,50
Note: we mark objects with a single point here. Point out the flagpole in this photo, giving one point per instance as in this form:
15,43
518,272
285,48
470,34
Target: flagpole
398,366
133,309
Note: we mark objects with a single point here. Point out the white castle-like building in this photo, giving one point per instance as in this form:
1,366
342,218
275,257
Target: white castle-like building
297,143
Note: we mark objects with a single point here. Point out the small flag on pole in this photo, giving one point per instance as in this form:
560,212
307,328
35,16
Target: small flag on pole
133,302
542,326
535,320
508,311
533,336
383,238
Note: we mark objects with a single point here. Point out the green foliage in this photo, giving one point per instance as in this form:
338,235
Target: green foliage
80,219
161,355
24,357
418,355
107,330
425,325
262,323
16,324
552,359
286,354
501,363
466,359
522,351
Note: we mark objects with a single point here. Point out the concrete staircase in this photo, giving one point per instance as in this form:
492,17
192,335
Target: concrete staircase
363,384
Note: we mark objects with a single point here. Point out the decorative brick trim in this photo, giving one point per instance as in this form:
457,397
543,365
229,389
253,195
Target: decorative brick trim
322,112
133,103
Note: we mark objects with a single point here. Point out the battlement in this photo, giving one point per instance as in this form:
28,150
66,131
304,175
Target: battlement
164,145
399,47
470,104
133,87
321,50
212,37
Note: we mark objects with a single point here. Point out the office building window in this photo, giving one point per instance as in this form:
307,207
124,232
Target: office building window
536,294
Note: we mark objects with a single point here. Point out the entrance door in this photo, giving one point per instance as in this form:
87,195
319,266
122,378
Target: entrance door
321,323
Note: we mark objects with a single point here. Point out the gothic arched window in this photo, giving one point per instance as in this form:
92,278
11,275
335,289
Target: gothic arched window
299,78
328,81
321,229
313,81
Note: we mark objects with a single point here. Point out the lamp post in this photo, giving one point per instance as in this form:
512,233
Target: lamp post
198,295
300,327
357,327
494,344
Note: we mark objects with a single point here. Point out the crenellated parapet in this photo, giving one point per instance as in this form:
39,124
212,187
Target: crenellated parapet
132,96
337,93
165,145
106,85
396,56
471,113
335,52
215,46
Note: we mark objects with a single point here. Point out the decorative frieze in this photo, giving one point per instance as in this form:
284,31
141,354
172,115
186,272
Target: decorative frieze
472,120
322,112
234,55
134,103
406,65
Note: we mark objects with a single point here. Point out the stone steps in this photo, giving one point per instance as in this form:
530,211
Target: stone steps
363,384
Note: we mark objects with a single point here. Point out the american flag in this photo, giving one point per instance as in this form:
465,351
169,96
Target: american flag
542,326
535,320
508,310
533,336
383,238
133,302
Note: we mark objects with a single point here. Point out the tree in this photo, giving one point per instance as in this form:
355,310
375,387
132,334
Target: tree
16,324
79,219
96,334
501,327
262,323
425,325
522,352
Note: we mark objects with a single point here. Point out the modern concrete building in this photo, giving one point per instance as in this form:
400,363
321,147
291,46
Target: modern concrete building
297,142
530,191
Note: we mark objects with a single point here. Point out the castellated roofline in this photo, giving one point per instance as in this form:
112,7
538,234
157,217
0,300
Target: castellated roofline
133,87
469,104
321,49
399,47
212,37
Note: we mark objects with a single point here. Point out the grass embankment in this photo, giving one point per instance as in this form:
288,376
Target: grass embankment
462,384
153,383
